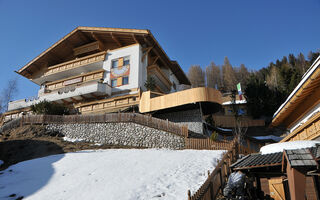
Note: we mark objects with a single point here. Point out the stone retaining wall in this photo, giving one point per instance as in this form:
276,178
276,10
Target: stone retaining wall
122,134
192,118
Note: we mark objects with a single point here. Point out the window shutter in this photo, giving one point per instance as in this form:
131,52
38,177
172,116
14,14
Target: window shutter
120,62
119,81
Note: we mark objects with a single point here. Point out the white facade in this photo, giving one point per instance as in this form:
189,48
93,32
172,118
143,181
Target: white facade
137,78
138,69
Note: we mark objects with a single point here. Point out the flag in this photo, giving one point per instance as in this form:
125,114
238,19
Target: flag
239,91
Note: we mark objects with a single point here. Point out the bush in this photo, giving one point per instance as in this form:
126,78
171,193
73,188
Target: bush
49,108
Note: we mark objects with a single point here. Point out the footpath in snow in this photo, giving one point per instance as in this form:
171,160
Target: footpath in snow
122,174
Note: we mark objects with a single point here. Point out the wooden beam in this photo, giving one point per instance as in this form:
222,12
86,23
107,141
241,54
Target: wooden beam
155,60
65,102
156,52
74,100
99,40
69,44
95,96
37,67
146,52
85,98
115,39
84,37
134,38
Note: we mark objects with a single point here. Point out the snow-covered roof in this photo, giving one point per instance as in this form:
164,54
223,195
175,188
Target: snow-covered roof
279,147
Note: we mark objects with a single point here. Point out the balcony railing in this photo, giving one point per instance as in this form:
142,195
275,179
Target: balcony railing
76,63
68,94
76,80
155,71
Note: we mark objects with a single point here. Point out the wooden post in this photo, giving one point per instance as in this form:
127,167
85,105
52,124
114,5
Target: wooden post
316,186
258,186
297,183
221,184
189,195
211,190
21,121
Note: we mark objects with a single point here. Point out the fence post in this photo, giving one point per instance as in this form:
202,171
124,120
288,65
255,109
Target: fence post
167,124
189,195
21,121
221,184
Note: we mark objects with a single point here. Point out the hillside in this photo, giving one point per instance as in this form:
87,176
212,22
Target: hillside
121,174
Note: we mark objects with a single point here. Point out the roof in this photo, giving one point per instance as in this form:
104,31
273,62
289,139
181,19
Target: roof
309,83
300,158
62,50
316,151
296,157
258,160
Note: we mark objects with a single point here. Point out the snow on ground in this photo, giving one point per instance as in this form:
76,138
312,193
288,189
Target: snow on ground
72,139
122,174
279,147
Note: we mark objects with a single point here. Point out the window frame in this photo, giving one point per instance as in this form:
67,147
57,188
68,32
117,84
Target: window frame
115,81
127,79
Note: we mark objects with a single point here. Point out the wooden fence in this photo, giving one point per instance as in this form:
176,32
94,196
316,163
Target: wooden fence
218,177
197,143
164,125
229,121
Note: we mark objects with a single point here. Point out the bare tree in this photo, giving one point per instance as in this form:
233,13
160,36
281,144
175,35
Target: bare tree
196,76
229,76
240,128
273,79
8,93
213,75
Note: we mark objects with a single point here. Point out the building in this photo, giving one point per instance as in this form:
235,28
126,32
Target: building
299,114
102,70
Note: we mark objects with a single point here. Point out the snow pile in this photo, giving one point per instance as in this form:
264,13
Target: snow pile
72,139
237,102
110,174
279,147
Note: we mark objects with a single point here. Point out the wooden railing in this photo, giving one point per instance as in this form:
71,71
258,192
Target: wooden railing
96,75
145,120
217,178
229,121
208,144
76,63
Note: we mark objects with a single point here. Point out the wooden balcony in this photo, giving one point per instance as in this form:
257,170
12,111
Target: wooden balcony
76,80
76,63
190,96
161,79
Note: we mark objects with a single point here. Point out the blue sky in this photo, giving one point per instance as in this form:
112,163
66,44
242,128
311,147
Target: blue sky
252,32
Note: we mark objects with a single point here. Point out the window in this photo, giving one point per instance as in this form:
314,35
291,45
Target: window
113,82
126,61
114,63
125,80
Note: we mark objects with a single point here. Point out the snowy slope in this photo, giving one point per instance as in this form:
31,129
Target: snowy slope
110,174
